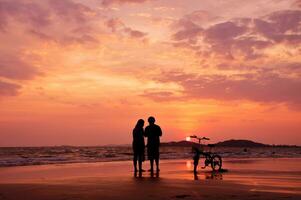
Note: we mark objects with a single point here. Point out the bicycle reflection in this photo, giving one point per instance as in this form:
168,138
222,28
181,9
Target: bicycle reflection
209,175
216,175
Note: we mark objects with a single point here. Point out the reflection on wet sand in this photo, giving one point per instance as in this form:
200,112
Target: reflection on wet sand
273,175
208,175
201,175
139,174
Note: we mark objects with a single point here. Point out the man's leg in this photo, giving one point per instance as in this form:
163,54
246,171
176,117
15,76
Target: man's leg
157,156
151,164
157,163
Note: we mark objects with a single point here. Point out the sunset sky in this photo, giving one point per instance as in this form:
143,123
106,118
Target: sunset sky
82,72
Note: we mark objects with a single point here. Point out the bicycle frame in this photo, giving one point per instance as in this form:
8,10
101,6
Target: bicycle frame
210,158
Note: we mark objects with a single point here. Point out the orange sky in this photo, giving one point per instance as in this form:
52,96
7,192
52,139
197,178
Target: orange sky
81,72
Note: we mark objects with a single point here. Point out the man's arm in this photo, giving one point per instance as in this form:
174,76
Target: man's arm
159,131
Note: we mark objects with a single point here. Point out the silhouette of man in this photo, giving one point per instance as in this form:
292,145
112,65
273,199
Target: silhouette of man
153,133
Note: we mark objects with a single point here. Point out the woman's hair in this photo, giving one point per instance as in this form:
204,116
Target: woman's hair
140,123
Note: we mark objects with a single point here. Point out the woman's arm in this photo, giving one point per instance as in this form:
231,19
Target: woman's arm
145,132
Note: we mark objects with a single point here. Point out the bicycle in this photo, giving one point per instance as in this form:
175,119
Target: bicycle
212,159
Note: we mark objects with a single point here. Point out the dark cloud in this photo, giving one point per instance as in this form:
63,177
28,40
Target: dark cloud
224,31
160,95
71,10
26,12
12,67
280,26
190,26
242,36
41,14
117,26
8,89
43,18
110,2
135,33
298,3
263,86
188,34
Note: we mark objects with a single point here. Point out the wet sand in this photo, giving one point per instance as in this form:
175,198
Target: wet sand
245,179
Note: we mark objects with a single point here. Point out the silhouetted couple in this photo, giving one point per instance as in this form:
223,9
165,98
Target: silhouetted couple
153,133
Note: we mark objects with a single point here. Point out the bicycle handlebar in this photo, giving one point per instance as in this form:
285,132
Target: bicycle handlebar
199,138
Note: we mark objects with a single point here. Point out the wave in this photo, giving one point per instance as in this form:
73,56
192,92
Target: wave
22,156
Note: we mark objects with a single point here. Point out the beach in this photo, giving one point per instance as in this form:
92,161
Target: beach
252,178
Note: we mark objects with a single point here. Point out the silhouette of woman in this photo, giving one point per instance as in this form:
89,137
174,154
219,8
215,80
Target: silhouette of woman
138,144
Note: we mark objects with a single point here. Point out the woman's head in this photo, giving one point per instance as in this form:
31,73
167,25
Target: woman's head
140,123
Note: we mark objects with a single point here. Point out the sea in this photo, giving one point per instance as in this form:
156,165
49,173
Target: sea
23,156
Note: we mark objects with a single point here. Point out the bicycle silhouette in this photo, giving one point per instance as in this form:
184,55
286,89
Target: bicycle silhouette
212,159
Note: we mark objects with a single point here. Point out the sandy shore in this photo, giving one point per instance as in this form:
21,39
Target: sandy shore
246,179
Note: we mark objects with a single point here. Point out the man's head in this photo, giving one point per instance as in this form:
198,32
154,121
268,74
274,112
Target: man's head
151,120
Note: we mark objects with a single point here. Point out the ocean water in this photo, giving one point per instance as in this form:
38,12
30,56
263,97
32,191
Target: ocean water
21,156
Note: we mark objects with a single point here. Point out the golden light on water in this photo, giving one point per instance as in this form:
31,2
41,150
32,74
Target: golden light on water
188,164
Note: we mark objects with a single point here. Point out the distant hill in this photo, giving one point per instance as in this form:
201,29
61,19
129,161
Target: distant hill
182,143
240,143
227,143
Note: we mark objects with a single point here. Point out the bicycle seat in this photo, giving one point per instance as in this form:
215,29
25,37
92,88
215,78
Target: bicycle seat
211,145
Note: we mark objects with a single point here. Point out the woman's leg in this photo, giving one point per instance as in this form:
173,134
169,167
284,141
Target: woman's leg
135,161
140,160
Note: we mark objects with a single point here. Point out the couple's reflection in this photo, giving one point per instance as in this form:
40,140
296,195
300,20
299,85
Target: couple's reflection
139,174
209,175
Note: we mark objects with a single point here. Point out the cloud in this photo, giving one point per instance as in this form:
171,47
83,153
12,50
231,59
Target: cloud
40,14
135,33
263,86
42,19
71,10
190,25
117,26
224,31
12,67
241,36
281,26
8,89
110,2
196,18
160,95
298,3
26,12
189,32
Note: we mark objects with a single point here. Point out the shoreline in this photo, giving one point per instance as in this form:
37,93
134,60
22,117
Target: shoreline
246,179
162,159
56,155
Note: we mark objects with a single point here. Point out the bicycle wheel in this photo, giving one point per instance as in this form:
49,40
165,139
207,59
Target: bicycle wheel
216,162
